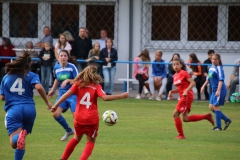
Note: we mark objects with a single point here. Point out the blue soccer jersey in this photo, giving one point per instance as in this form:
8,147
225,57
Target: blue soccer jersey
216,74
18,89
69,72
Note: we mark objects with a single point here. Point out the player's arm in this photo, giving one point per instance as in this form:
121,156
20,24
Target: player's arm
62,99
2,97
114,97
219,88
42,93
171,92
54,87
190,86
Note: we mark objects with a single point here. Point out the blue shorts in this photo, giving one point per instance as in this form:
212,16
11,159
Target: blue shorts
68,103
20,116
218,101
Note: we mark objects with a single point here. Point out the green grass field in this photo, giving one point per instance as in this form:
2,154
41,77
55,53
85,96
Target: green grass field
145,131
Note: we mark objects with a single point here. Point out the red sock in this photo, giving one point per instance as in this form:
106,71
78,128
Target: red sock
69,149
87,151
194,118
178,124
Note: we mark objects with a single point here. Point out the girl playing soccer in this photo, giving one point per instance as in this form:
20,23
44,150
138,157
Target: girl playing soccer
184,84
17,90
65,73
87,88
219,91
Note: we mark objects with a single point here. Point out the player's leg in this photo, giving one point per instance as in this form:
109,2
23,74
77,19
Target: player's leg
62,121
178,124
92,132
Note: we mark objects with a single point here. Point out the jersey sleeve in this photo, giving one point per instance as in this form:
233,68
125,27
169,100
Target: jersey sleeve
100,92
185,75
74,88
35,79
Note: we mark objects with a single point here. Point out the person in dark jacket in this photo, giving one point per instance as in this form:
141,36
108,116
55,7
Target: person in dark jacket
108,55
80,48
47,56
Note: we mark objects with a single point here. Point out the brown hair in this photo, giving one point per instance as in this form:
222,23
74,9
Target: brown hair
144,55
60,43
218,57
21,65
159,52
194,60
94,51
88,76
181,62
71,59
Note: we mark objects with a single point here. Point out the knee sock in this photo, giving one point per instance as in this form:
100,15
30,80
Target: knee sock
18,154
69,149
61,120
87,151
218,116
178,124
194,118
224,117
15,138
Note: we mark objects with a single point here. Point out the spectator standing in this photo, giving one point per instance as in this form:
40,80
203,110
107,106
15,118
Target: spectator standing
102,40
196,72
158,75
62,44
47,37
47,56
205,69
108,55
81,47
35,64
141,71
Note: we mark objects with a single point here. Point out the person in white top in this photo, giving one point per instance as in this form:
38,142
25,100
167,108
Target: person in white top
61,44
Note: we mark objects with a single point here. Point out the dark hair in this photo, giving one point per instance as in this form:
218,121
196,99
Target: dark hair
194,60
110,40
174,55
20,65
7,41
71,59
210,52
218,57
181,62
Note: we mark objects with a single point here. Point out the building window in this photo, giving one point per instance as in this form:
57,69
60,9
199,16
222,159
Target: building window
64,17
234,23
166,22
100,17
23,20
202,23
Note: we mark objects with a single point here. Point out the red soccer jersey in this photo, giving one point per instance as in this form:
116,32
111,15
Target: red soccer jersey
86,112
181,82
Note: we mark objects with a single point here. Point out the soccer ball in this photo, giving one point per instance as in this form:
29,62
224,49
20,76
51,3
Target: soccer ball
110,117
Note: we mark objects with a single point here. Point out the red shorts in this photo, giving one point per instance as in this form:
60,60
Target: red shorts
184,104
89,130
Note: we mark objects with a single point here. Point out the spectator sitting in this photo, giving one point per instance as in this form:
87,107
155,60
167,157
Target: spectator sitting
62,44
69,37
6,49
93,55
158,75
234,79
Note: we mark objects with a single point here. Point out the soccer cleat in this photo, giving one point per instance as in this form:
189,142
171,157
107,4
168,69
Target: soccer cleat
158,98
138,97
217,129
180,137
67,134
21,140
227,124
210,119
151,98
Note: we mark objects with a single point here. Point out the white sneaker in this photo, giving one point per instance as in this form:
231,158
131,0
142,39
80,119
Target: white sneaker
151,98
158,98
67,134
145,90
138,97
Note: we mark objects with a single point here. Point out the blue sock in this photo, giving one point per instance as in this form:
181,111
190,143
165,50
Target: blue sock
61,120
18,154
224,117
218,116
15,138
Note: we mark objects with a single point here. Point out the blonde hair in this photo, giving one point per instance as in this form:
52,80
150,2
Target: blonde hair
94,52
159,52
68,36
47,44
88,76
